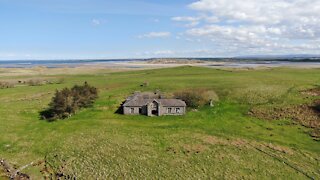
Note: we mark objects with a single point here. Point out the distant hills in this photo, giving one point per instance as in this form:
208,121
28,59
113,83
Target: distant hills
281,57
251,58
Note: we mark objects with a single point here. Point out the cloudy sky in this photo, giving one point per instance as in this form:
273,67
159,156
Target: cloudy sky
78,29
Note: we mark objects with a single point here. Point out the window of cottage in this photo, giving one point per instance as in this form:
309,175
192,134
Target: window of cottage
169,110
132,110
178,110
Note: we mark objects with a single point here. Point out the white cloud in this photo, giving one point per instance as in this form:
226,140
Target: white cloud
96,22
181,53
256,25
156,53
155,35
185,18
155,20
192,21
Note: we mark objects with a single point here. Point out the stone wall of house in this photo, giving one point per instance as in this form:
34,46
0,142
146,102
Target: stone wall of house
161,111
153,106
164,111
136,110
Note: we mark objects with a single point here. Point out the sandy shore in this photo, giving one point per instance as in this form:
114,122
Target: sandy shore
214,64
139,65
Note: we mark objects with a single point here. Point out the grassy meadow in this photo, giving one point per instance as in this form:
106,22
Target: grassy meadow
222,142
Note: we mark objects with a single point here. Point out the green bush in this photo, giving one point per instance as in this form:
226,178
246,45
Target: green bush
60,81
66,102
197,97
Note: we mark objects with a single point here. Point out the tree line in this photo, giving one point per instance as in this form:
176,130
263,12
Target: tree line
67,102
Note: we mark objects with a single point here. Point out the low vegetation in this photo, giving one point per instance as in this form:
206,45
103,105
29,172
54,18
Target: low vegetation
11,83
35,82
5,85
67,102
40,82
220,142
307,114
197,97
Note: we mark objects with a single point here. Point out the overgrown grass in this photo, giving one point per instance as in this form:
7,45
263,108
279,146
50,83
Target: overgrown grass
220,142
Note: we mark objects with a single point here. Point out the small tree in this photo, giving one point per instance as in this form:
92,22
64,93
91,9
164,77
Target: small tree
84,96
67,101
61,106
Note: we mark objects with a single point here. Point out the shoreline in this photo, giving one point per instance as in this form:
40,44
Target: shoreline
88,68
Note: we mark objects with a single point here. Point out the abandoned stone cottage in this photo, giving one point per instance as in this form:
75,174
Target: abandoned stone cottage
152,104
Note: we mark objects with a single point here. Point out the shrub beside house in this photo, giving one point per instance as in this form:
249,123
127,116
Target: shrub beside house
67,102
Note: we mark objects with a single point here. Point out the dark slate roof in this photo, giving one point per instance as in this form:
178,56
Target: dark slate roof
172,102
137,101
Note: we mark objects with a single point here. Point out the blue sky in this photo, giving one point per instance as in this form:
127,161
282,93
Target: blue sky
80,29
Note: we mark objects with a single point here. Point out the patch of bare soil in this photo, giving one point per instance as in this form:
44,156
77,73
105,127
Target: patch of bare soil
48,171
10,172
172,150
188,149
54,170
311,92
307,115
194,149
206,141
279,148
243,143
212,140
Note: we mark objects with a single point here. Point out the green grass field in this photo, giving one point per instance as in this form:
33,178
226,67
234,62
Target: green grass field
221,142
